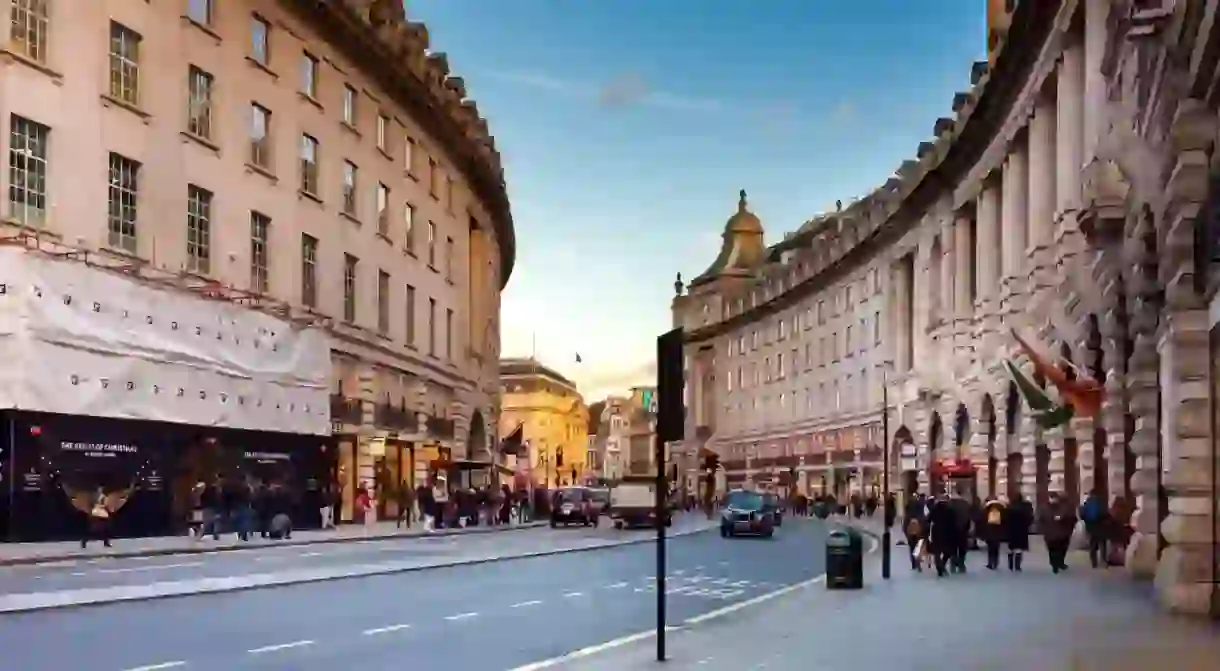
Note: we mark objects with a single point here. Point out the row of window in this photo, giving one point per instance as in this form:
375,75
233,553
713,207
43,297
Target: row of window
28,202
869,286
815,402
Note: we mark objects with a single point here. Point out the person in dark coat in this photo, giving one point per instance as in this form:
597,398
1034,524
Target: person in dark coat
945,534
991,530
1017,520
1057,523
916,528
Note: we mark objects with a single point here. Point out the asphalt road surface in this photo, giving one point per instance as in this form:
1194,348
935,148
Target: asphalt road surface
490,616
111,572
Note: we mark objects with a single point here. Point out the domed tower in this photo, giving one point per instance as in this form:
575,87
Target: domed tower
742,248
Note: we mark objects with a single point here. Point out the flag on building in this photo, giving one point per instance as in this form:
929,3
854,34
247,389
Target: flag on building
1084,395
1045,411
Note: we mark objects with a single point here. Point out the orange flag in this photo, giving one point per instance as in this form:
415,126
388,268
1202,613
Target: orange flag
1083,394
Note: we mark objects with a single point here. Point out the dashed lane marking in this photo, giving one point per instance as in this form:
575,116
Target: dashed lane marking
157,667
461,616
281,646
525,604
617,585
572,595
156,567
385,630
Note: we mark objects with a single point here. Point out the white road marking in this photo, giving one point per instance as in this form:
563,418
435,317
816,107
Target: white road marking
281,646
461,616
571,595
617,585
698,568
385,630
591,650
312,554
720,612
157,667
158,567
523,604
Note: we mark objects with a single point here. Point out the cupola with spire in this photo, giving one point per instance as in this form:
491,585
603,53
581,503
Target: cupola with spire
741,248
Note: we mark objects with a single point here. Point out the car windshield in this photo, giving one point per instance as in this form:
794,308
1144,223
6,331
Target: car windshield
600,496
570,495
745,501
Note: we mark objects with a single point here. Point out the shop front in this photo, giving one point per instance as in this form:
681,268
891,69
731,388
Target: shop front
53,463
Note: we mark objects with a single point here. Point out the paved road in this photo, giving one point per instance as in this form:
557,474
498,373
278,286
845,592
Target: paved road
110,572
490,616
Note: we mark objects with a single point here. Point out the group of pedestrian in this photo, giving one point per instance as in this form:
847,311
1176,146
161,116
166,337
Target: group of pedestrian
941,530
244,506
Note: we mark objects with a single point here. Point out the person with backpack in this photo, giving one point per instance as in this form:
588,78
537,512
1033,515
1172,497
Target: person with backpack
1095,515
992,531
915,530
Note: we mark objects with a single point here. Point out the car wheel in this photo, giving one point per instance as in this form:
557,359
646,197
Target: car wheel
618,526
769,533
595,522
724,531
554,524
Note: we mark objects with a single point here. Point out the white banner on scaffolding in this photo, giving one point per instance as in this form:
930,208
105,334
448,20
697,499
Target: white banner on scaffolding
76,339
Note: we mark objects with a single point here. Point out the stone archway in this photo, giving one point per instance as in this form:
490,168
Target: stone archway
476,438
908,477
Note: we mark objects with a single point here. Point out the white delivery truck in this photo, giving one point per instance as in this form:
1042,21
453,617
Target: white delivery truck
633,502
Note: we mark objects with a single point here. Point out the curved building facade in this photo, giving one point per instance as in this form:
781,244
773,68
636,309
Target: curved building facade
314,160
1067,199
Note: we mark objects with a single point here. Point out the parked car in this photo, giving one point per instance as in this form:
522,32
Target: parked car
601,499
573,505
746,513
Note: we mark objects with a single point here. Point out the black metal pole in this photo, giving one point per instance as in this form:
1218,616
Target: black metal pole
885,476
660,511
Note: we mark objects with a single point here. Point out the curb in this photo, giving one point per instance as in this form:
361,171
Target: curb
175,589
200,549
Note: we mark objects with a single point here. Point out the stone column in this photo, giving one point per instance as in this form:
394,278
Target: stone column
977,447
900,327
1186,573
367,379
963,271
945,315
1097,13
1041,211
924,295
999,401
1143,390
987,270
1013,225
1069,155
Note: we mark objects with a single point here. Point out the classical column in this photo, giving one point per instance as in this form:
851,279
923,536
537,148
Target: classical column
963,271
1143,390
1041,211
987,268
1069,149
900,326
922,300
1013,225
948,285
1097,12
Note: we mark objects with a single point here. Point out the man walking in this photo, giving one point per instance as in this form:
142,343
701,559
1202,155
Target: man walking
1096,520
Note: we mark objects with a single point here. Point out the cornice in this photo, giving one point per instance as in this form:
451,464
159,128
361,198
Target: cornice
379,39
861,230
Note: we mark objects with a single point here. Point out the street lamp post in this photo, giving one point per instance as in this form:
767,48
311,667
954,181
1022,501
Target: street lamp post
885,475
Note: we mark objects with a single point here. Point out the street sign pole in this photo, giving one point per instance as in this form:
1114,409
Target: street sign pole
670,426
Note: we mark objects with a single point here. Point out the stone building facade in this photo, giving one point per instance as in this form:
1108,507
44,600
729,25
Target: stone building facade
315,159
1066,196
554,421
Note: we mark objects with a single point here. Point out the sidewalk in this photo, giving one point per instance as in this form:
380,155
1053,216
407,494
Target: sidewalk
999,621
13,554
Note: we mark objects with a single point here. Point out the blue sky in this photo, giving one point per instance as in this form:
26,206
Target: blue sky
628,126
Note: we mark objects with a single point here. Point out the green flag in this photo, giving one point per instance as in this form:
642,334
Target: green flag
1045,411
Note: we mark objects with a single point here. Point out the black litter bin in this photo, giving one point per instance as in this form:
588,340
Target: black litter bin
844,559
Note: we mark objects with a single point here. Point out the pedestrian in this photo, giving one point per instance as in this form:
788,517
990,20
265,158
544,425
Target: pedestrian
326,510
1096,518
364,507
404,496
211,502
97,518
963,513
916,531
945,534
992,531
1018,518
1057,522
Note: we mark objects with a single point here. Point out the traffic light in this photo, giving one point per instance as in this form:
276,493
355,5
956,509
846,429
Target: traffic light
670,381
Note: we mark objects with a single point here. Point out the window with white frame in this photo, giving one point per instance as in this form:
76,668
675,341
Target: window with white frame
349,105
123,202
432,245
383,124
260,40
30,28
309,75
198,230
27,171
124,63
200,11
408,233
309,271
349,188
383,302
260,136
349,288
383,209
309,165
199,103
260,231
